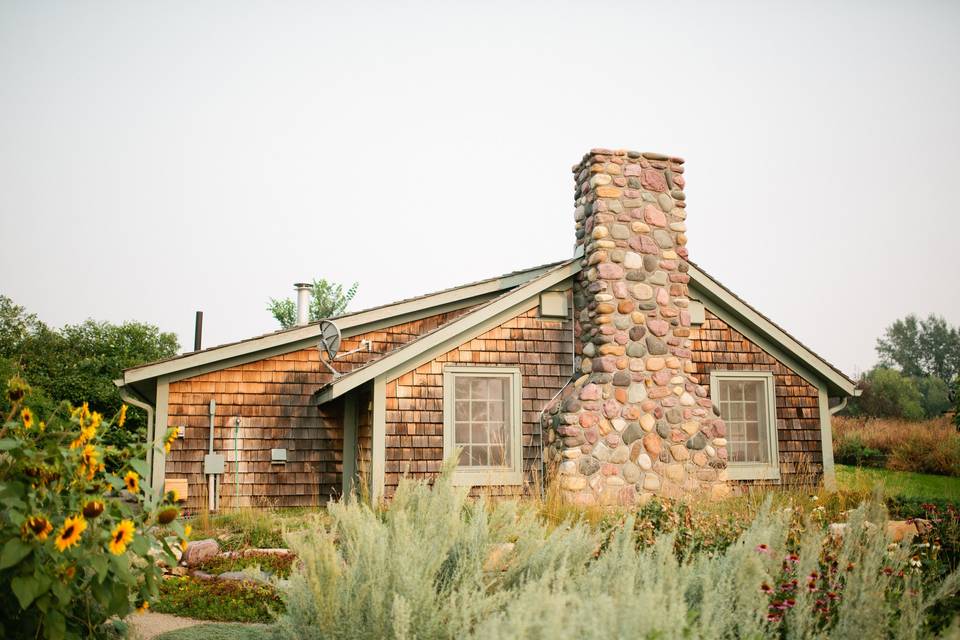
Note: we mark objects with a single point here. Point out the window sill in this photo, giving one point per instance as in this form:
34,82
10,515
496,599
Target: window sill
753,471
486,478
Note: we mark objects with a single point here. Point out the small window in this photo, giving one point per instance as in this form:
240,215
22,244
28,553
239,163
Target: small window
481,407
748,407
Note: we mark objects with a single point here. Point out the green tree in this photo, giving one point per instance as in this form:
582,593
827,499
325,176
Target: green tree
886,393
79,362
919,348
935,395
327,299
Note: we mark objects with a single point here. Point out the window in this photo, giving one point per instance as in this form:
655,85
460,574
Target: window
481,417
748,407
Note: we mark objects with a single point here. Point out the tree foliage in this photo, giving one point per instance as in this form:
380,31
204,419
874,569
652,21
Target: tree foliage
327,299
78,363
886,393
921,347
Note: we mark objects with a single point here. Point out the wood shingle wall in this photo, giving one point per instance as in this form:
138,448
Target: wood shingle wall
272,397
717,346
542,348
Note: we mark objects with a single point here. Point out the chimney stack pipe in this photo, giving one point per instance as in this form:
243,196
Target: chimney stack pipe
303,302
198,331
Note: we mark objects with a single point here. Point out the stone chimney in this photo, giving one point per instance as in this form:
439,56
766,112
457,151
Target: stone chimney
637,422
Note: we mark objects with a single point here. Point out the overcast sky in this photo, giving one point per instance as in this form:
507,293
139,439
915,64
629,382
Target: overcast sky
159,158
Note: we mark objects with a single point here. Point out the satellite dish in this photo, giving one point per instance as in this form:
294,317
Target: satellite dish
329,339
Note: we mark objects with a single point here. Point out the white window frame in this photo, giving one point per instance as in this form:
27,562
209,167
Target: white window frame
753,470
485,476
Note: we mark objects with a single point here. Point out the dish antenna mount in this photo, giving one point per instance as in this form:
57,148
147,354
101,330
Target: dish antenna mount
330,344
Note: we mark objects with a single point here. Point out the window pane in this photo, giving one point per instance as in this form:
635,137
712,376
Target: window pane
462,433
480,456
743,408
478,410
483,419
478,388
478,433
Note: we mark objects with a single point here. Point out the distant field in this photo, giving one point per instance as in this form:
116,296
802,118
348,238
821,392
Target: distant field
904,483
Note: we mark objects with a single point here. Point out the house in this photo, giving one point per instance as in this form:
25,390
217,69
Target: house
622,372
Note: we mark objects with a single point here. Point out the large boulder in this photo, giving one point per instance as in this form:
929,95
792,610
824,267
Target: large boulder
198,551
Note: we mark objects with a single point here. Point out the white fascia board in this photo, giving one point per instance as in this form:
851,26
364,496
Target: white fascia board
412,350
772,332
349,325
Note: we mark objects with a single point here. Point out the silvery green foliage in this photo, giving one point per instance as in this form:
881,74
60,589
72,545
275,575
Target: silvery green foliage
435,565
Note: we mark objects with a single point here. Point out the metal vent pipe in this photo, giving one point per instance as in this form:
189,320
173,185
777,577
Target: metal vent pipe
303,302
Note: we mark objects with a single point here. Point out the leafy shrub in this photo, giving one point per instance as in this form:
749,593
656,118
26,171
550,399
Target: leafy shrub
78,543
854,451
223,600
274,564
435,565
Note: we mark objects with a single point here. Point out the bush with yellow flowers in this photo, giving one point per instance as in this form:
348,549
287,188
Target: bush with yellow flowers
78,546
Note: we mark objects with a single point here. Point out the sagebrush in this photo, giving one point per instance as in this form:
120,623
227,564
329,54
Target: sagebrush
438,565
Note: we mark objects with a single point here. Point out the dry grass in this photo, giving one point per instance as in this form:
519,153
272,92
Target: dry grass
932,446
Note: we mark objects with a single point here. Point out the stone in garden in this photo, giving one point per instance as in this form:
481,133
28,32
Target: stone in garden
198,551
243,576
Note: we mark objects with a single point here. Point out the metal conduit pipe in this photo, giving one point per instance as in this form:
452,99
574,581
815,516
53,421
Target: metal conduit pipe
573,373
212,501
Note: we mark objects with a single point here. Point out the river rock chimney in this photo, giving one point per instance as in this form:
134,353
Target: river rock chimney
636,422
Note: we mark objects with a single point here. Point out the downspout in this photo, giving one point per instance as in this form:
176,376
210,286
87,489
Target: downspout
140,404
840,407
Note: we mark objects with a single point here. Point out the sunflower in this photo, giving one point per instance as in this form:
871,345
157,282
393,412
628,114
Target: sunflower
121,536
86,433
39,526
123,415
143,606
132,481
90,462
27,416
187,530
167,516
92,509
70,533
173,495
171,436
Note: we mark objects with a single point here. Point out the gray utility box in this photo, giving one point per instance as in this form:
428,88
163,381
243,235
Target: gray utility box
213,464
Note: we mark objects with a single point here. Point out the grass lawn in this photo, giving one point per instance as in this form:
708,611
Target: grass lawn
902,483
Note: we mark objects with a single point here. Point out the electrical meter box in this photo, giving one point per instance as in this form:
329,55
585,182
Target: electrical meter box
213,464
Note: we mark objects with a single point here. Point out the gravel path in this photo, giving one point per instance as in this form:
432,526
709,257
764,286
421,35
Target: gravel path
146,626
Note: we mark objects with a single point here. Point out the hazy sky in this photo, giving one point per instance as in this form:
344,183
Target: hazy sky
158,158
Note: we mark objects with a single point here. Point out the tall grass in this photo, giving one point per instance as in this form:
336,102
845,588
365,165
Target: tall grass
932,446
436,564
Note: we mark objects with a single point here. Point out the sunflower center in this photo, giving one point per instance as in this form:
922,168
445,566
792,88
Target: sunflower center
67,532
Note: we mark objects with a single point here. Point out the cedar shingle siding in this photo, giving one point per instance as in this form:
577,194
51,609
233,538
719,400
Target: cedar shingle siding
716,346
543,350
273,398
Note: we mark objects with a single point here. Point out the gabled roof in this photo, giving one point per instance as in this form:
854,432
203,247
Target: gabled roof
745,318
490,297
770,333
349,323
405,355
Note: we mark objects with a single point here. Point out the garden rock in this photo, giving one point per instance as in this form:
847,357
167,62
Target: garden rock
199,551
245,576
